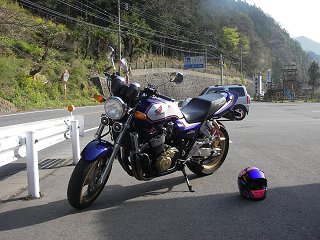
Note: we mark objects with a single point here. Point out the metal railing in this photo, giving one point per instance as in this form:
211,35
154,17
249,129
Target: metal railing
25,140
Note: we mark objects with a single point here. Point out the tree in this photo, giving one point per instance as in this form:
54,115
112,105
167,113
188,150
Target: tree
277,66
135,42
314,75
231,36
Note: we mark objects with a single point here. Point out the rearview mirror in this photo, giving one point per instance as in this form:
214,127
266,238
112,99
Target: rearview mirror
110,53
124,64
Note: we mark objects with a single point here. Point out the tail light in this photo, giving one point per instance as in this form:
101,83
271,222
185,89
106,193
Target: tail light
248,99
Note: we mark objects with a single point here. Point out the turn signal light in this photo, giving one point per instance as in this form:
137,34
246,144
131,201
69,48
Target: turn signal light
99,98
140,115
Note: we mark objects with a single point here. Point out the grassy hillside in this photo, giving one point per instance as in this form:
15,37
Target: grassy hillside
33,58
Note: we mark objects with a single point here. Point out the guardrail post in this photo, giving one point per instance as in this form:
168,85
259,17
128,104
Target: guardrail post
32,166
75,141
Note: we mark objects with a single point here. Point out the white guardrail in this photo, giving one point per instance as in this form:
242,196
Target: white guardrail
25,140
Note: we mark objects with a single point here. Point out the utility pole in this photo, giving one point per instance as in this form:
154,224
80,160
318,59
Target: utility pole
221,68
119,31
206,56
241,60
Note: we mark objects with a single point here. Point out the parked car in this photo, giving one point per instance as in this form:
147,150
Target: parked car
241,108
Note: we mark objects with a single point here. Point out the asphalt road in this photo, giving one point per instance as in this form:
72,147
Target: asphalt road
33,116
281,139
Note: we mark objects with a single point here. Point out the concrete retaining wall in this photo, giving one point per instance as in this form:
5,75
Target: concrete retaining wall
6,107
193,84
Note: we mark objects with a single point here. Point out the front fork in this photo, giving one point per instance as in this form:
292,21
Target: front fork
116,148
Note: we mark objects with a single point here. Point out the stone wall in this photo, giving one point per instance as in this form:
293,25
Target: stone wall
193,84
6,107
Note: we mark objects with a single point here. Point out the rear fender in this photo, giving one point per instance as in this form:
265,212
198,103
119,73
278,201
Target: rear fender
97,149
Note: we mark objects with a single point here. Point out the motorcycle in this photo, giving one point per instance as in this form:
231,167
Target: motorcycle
151,136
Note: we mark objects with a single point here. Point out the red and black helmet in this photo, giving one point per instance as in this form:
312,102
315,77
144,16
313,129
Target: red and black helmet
252,183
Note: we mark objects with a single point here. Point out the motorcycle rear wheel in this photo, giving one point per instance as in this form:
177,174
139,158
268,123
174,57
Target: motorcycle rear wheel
212,163
84,187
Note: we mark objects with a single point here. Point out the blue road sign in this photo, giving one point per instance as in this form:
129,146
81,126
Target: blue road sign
194,62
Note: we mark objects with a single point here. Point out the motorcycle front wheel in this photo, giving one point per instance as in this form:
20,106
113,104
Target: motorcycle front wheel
84,187
209,164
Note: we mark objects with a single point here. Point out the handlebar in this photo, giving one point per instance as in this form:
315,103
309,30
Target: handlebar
149,91
166,98
106,71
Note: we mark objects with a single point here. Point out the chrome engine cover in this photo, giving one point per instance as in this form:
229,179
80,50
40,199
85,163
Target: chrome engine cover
165,159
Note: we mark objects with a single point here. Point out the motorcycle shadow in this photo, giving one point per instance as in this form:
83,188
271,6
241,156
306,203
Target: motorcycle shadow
114,195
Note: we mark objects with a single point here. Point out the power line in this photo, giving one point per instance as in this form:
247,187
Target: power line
65,17
127,25
170,24
59,15
96,13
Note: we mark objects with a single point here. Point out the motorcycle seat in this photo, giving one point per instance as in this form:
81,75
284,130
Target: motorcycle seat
202,107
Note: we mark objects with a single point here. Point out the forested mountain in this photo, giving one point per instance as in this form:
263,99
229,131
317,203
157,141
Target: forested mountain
177,28
62,32
314,57
309,45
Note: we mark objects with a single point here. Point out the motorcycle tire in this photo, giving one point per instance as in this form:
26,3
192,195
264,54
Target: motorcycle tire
211,164
83,187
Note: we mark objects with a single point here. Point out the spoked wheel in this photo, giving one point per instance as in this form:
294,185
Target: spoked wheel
218,150
84,187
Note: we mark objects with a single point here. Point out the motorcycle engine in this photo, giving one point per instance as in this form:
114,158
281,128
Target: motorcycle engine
165,159
162,154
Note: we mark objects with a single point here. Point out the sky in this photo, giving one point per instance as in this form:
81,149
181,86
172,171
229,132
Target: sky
297,17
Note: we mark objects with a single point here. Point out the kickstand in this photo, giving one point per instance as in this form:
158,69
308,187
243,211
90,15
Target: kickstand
186,178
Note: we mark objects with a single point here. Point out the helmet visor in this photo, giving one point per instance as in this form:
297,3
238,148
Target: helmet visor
255,173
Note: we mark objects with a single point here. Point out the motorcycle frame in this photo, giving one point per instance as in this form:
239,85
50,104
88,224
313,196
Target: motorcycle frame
100,148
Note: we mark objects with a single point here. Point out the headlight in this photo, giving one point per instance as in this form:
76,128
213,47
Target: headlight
115,108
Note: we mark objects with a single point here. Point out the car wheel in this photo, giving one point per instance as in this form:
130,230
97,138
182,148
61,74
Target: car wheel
240,112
